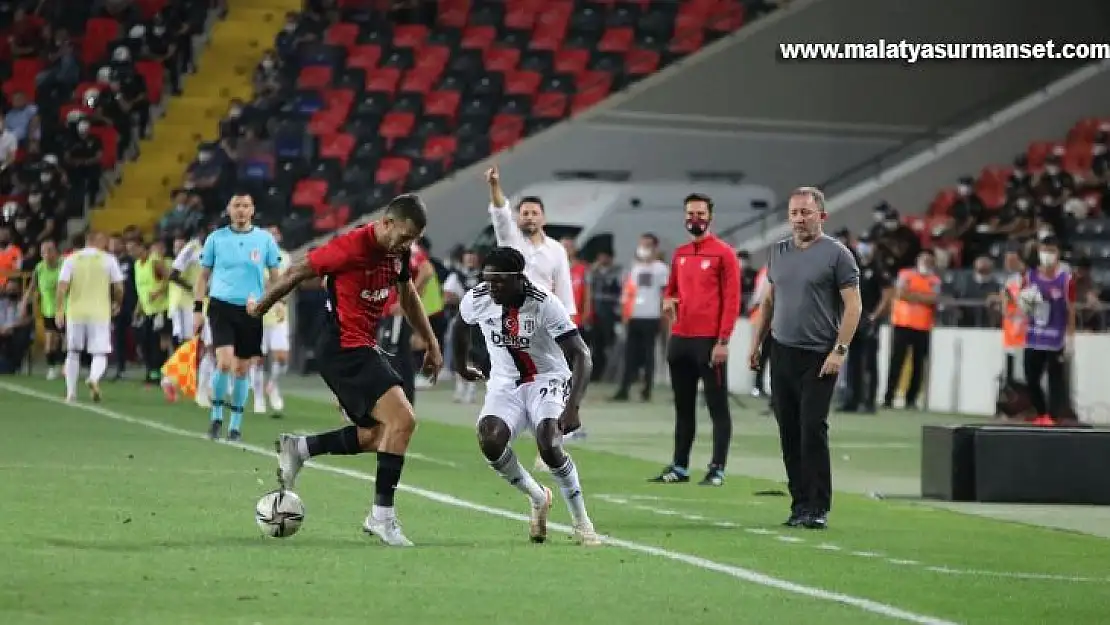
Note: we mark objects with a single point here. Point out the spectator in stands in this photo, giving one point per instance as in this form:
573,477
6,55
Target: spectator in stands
110,108
267,75
896,244
42,221
122,322
16,327
132,89
161,46
62,69
965,216
203,174
1053,189
182,216
9,145
1019,182
123,11
22,119
1016,221
54,183
980,286
27,33
82,159
295,32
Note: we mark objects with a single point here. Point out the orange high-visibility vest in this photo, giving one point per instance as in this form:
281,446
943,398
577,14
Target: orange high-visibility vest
915,315
1014,321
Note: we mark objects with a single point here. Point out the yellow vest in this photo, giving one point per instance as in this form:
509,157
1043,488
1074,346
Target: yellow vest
278,313
178,296
90,287
145,284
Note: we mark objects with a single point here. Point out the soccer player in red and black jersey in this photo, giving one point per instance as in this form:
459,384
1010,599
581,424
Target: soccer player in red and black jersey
360,268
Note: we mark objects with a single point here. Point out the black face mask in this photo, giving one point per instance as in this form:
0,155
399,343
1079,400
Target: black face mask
697,226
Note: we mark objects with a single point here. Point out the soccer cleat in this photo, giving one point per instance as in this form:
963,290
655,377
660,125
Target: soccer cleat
214,430
388,530
234,436
715,477
537,526
277,402
94,390
289,461
795,520
670,476
585,535
816,521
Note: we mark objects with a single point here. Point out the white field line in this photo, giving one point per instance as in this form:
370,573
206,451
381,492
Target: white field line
743,574
792,538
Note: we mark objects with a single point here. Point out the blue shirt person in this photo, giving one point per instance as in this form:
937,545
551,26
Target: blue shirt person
238,261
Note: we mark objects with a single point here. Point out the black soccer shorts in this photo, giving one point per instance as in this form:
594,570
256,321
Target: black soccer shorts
232,326
359,377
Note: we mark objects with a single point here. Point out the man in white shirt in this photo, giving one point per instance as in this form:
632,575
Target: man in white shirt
641,312
546,262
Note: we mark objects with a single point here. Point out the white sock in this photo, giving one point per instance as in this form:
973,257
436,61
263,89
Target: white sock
277,369
72,372
508,467
97,368
256,381
567,478
302,447
204,372
381,513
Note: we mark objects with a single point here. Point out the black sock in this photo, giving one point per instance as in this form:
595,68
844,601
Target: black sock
389,475
341,442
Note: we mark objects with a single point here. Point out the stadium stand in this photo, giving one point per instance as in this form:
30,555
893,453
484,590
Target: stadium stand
356,104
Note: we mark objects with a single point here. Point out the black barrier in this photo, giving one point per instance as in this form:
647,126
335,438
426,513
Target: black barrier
1016,464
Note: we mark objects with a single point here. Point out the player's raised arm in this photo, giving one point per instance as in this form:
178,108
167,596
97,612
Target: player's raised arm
504,226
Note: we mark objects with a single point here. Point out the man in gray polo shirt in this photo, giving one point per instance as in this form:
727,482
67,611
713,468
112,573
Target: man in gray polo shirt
811,308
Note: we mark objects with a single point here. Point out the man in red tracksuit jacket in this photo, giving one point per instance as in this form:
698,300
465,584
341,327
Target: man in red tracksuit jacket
702,301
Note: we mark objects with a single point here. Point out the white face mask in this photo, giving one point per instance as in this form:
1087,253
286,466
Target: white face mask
1044,232
963,189
1023,204
1048,259
267,63
643,253
923,268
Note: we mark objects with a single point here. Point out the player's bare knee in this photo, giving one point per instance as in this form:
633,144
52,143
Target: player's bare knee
370,439
549,441
493,437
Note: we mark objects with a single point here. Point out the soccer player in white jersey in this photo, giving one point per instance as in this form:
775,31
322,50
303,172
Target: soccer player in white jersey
275,344
90,289
530,338
545,259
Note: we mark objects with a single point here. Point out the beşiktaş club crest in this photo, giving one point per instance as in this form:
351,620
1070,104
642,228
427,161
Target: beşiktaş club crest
527,324
256,256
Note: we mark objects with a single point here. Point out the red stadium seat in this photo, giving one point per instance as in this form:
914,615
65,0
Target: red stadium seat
309,192
548,35
594,81
154,73
25,86
687,41
392,169
478,37
339,100
383,80
641,62
314,77
1077,158
571,61
523,83
442,103
149,8
439,148
23,69
1038,151
433,57
409,35
550,105
419,81
99,32
109,142
586,99
501,59
325,122
505,122
993,197
342,34
942,202
397,125
617,40
691,16
726,17
364,57
1084,129
453,14
337,146
520,17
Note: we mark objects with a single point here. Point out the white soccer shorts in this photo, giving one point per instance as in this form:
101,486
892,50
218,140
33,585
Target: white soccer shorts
275,338
93,337
524,407
181,320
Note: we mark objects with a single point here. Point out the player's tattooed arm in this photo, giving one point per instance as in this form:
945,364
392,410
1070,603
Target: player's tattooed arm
581,364
283,285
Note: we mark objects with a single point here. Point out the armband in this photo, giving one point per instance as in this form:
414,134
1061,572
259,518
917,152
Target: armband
198,306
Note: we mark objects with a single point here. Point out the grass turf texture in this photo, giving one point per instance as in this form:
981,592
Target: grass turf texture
108,521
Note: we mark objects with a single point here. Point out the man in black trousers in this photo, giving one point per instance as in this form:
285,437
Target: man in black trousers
811,309
876,293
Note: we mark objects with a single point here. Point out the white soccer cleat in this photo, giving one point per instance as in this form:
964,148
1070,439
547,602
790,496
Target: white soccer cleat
388,530
290,461
537,526
585,535
277,402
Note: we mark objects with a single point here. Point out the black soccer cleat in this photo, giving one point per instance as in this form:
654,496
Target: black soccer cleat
234,436
670,476
796,519
214,430
815,521
715,477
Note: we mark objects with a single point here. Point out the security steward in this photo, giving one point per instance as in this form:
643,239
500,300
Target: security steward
912,320
876,292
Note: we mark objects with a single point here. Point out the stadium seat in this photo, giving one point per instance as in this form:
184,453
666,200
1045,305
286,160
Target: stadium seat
342,34
309,192
942,202
499,59
478,37
409,35
154,73
364,57
384,80
314,78
617,40
392,170
396,125
439,148
523,83
445,103
337,146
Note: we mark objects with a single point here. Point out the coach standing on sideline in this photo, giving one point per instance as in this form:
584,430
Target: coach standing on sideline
702,300
812,307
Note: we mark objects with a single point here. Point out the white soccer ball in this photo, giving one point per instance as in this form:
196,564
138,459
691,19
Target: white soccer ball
1029,297
279,513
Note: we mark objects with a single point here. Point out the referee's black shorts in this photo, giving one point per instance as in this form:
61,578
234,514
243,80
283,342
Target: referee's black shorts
232,326
358,376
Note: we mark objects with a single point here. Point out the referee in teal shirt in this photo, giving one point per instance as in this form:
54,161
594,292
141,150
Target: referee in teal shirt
233,273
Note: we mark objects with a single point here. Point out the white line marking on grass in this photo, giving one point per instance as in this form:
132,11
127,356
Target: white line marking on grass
747,575
760,531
